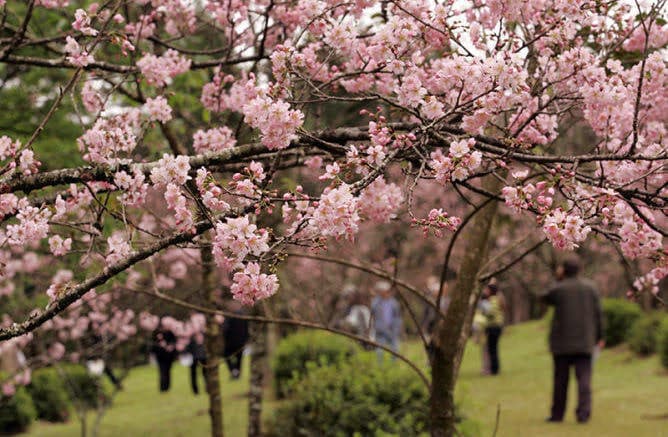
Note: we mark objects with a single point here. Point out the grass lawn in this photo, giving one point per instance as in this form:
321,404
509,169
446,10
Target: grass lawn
629,395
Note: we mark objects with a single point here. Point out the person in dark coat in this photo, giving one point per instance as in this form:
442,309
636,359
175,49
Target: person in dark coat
164,349
235,335
577,328
198,352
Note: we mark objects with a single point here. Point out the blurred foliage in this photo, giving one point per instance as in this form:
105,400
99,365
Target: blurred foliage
294,353
619,316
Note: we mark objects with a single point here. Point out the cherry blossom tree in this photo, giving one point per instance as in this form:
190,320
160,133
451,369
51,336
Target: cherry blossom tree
255,131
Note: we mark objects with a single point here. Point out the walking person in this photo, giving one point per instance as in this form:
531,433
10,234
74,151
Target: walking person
164,350
358,319
577,328
196,349
235,335
386,316
494,309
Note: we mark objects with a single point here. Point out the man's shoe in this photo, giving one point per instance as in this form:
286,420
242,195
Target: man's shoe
583,421
553,420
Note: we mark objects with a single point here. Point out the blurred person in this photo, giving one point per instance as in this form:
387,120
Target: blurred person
576,330
430,316
494,309
358,318
164,350
386,318
235,335
478,333
196,349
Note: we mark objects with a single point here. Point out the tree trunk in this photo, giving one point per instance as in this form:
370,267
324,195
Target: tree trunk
451,331
258,363
212,338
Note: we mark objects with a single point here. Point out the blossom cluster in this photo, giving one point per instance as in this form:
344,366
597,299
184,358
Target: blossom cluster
538,196
236,239
118,248
459,163
178,202
250,285
58,283
159,70
214,140
380,200
158,109
638,239
32,227
82,23
336,214
212,194
110,138
134,189
77,55
565,230
436,221
276,121
171,169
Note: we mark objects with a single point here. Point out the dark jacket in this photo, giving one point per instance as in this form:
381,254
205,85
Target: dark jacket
577,323
235,334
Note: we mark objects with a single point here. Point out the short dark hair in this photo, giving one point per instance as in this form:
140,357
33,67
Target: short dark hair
571,266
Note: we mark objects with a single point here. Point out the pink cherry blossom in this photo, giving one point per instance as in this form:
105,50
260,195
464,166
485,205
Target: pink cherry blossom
213,140
58,283
276,121
118,248
158,109
77,56
171,169
250,285
159,71
380,200
58,246
82,23
336,214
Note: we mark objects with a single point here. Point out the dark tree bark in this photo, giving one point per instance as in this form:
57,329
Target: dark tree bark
258,364
451,331
212,339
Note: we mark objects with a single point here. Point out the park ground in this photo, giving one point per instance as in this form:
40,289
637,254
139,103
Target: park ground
629,397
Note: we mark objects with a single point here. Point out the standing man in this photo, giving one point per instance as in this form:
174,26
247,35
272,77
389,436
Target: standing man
577,327
386,315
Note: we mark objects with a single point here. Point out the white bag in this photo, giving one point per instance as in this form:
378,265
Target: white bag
186,360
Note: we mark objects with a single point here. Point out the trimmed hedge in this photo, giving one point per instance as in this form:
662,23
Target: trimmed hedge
354,398
662,342
49,394
16,412
318,347
619,316
642,337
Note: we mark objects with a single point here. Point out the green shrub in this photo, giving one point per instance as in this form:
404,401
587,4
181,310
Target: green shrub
619,316
662,342
84,389
16,412
354,398
642,337
295,351
48,392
